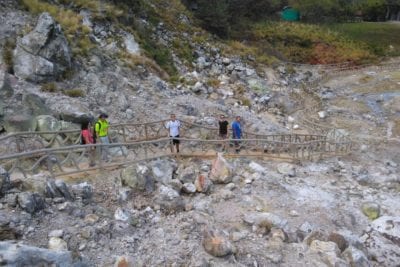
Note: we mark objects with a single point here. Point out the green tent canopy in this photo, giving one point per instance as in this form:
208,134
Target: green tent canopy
290,14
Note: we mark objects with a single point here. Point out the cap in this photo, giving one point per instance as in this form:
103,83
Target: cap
103,115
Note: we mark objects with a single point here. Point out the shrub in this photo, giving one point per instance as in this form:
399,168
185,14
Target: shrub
310,43
213,82
69,20
8,54
49,87
245,102
74,92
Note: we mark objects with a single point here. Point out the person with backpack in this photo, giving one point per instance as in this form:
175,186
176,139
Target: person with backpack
87,138
101,136
174,126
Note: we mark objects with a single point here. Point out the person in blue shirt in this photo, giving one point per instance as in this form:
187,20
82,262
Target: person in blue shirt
237,132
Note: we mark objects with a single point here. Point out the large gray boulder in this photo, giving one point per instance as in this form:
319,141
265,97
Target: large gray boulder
138,177
19,123
35,104
15,254
43,54
31,202
47,123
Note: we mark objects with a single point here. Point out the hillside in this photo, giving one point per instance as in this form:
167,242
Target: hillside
66,62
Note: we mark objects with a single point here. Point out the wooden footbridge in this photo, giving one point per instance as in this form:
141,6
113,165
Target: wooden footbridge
60,153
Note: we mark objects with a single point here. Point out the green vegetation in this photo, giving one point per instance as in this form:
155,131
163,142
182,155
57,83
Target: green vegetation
212,82
70,21
49,87
7,54
74,92
383,38
313,44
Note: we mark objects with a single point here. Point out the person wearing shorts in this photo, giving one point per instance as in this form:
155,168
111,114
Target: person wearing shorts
173,127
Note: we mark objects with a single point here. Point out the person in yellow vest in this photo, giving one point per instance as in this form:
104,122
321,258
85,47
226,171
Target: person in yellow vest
101,129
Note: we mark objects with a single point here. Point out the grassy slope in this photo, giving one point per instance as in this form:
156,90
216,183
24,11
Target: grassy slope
382,37
297,42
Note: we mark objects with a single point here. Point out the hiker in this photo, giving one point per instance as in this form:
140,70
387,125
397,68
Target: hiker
237,133
101,129
223,130
174,126
87,138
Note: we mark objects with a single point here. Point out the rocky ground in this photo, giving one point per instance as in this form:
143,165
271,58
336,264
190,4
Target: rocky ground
341,211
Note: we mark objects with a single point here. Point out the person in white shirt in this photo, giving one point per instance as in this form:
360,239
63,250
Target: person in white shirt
174,126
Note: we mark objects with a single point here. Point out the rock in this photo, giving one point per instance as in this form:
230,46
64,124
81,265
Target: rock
121,215
237,236
131,46
35,104
189,188
56,233
328,251
138,177
287,169
265,218
202,183
43,54
388,226
257,167
220,170
224,194
47,123
315,235
355,257
163,170
176,185
125,261
167,193
188,174
91,219
216,244
340,241
31,202
82,191
169,200
371,210
124,193
381,247
322,114
16,254
226,61
63,189
57,244
19,123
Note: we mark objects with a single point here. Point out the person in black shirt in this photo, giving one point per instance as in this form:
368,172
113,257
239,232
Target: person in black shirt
223,130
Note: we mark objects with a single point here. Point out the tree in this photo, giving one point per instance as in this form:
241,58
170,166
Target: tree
214,15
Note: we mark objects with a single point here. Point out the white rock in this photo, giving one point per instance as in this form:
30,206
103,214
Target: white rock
322,114
257,167
131,46
57,244
121,215
56,233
